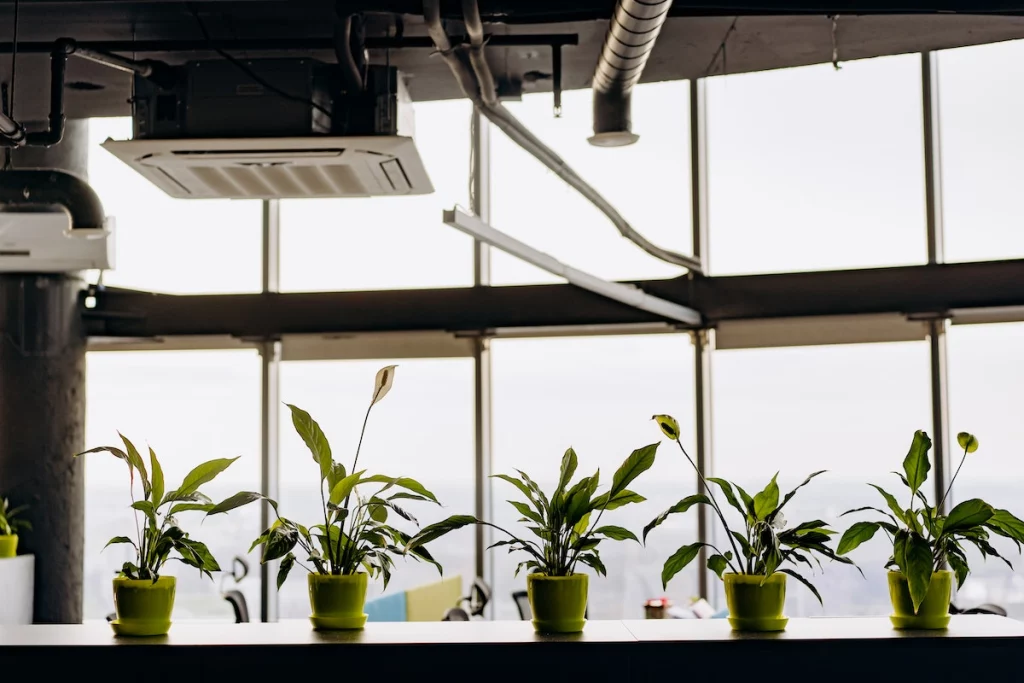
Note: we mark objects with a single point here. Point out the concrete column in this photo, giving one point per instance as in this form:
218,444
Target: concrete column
42,407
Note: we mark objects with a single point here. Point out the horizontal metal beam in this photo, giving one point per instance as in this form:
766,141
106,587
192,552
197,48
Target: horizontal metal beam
950,289
617,291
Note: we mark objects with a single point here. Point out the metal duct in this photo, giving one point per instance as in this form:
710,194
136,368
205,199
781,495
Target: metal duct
633,30
53,189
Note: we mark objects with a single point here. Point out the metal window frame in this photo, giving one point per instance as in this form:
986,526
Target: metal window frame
270,402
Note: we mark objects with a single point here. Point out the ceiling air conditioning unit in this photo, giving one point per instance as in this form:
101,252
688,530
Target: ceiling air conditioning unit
222,134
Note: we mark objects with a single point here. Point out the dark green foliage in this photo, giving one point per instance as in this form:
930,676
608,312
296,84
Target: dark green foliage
10,524
159,535
562,523
924,540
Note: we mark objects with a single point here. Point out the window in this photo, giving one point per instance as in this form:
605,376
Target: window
597,395
190,406
814,169
648,182
985,378
179,246
982,151
851,410
388,242
422,429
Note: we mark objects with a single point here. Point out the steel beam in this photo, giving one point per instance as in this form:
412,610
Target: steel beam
909,290
270,405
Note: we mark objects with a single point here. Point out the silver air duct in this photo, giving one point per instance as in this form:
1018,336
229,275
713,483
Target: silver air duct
633,30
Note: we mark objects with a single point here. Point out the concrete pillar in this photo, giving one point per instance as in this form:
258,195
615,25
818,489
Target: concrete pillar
42,407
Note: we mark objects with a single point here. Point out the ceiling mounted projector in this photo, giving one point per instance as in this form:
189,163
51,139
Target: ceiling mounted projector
222,133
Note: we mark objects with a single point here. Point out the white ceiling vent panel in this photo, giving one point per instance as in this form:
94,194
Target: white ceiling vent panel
278,168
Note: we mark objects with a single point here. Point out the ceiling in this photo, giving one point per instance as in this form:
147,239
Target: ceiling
761,35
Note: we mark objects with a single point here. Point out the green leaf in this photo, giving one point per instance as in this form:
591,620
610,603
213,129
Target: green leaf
719,563
918,569
636,464
187,507
136,461
439,529
678,561
581,501
158,478
344,487
120,539
279,543
890,500
620,499
859,533
593,560
968,514
804,581
968,442
581,526
236,501
1005,524
916,463
959,565
525,511
314,438
202,474
287,562
568,468
519,485
147,508
402,482
748,502
767,500
682,506
336,474
792,493
729,495
617,533
669,426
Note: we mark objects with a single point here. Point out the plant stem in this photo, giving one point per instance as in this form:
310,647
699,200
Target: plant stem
355,461
714,503
950,487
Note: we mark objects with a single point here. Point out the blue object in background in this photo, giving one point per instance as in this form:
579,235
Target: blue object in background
386,608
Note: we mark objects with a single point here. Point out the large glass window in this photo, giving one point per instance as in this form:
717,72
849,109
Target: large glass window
982,151
163,244
851,410
189,406
985,378
597,395
388,242
422,429
648,182
814,169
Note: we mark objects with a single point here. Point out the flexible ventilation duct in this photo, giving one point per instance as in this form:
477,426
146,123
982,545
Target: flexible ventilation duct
631,36
53,189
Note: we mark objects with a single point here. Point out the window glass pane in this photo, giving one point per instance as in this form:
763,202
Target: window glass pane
648,182
982,151
597,394
181,246
190,407
813,169
422,429
851,410
388,242
985,379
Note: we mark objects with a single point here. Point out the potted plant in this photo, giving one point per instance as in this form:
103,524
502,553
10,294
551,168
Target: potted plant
355,539
753,568
924,539
568,526
143,598
10,525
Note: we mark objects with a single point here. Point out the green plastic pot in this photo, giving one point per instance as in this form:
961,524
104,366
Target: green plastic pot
143,606
8,545
756,603
559,603
337,601
933,613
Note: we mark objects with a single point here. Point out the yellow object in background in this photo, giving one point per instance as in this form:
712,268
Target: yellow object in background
430,602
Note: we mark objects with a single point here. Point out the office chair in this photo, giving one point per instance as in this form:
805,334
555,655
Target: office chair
455,614
987,608
479,596
235,597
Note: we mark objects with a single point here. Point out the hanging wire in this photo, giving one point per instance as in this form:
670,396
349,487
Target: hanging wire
835,42
721,50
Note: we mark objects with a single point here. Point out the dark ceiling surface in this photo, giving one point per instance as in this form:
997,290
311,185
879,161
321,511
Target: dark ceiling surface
757,35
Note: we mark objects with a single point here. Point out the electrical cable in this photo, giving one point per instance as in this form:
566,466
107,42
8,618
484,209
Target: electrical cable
249,72
14,60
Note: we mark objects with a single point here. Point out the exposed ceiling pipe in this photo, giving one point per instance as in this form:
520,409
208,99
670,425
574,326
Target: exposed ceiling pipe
631,35
35,188
472,86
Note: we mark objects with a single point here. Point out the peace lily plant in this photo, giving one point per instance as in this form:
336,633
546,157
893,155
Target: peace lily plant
568,526
753,567
355,539
924,539
143,598
10,525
